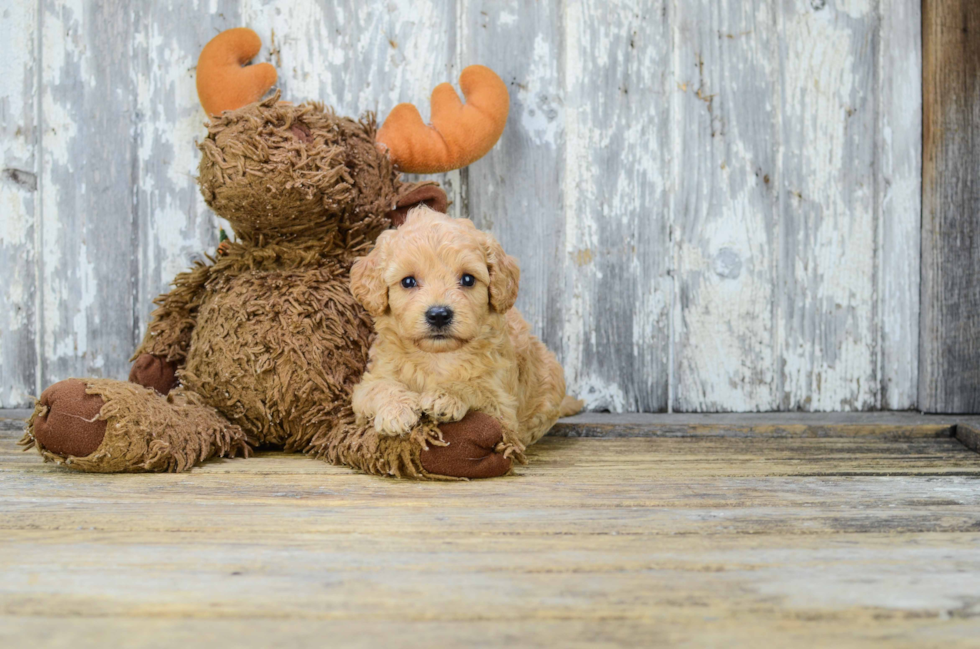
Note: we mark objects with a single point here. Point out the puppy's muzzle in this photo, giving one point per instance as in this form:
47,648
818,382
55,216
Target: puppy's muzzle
439,317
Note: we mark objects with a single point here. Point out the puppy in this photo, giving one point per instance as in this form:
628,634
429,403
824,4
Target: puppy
448,341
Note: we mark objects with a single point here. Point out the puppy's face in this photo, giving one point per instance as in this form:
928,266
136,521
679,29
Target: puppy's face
437,291
435,281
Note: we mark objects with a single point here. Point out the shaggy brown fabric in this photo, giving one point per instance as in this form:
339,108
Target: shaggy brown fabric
144,431
154,372
318,181
67,419
266,340
171,324
279,342
469,451
362,448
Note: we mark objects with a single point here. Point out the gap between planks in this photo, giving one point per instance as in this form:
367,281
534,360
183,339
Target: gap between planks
887,425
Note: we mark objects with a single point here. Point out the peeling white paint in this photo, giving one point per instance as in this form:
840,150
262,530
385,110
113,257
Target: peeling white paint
825,323
723,209
176,226
600,395
578,235
855,8
899,185
796,292
18,194
541,111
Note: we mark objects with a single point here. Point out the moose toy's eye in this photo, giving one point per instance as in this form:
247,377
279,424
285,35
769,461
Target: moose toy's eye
409,282
467,280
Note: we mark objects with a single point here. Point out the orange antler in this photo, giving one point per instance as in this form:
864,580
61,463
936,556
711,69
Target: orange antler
222,81
460,133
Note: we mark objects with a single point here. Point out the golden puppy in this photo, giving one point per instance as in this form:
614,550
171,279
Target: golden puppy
448,340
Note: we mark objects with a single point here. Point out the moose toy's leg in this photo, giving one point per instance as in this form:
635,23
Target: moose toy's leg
108,426
465,449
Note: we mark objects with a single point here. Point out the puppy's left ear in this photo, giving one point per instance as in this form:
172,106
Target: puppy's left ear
424,193
367,283
505,276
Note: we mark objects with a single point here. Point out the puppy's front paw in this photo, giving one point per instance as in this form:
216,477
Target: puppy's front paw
396,418
443,406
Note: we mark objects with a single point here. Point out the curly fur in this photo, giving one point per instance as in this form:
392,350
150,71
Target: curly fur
267,340
485,360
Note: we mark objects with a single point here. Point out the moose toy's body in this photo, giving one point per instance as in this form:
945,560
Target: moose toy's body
264,345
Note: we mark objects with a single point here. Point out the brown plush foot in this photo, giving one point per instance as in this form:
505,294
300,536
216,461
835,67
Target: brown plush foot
155,373
470,451
70,424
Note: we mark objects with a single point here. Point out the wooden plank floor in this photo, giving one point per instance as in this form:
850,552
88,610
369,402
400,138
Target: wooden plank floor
789,535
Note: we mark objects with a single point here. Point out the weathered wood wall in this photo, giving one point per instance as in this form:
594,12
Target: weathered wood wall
950,351
716,202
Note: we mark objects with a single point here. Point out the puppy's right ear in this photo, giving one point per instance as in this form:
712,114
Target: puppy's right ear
367,283
505,275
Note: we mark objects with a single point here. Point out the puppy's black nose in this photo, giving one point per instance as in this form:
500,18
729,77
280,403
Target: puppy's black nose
439,316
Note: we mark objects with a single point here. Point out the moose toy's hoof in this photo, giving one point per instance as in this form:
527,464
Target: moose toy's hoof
155,373
470,451
70,423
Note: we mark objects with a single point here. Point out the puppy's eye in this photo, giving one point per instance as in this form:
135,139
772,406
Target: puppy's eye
409,282
467,280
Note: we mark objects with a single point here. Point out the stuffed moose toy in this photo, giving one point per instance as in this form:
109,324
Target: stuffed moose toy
263,345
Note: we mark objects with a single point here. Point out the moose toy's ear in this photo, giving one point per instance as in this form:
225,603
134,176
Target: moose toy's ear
224,82
460,133
427,193
367,283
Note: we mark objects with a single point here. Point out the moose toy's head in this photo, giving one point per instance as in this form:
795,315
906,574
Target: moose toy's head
274,169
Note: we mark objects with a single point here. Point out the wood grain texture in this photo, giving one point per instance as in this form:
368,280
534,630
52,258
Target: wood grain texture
357,56
362,56
19,40
715,203
174,226
726,116
968,434
781,196
898,200
825,310
615,337
950,316
890,425
88,227
865,629
619,542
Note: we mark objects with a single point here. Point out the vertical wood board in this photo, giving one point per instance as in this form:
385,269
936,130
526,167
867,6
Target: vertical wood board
89,173
18,204
826,316
949,349
615,325
724,209
898,192
715,203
